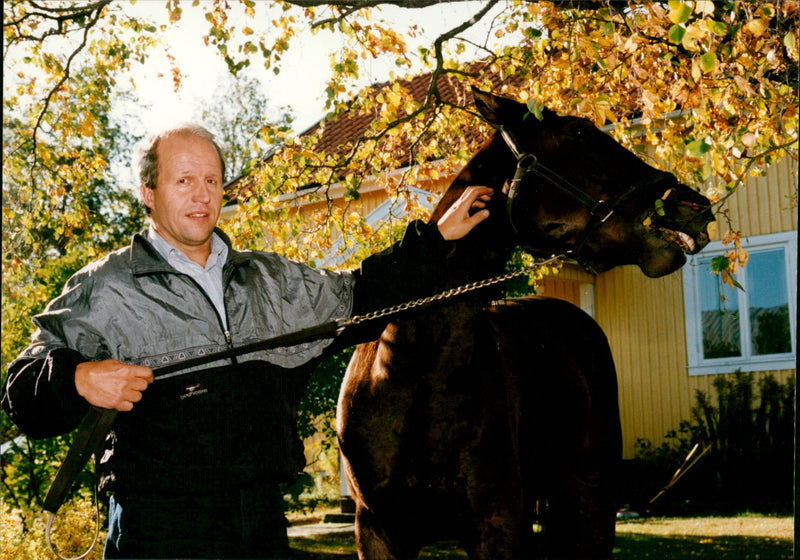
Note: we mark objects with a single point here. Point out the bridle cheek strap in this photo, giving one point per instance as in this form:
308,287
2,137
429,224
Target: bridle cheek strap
525,164
599,210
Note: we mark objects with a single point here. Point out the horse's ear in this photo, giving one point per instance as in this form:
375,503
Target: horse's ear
495,109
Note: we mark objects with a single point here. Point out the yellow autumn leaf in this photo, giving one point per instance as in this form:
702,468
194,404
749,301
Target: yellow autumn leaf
697,72
711,229
749,139
694,34
704,7
247,31
790,42
757,26
742,256
87,127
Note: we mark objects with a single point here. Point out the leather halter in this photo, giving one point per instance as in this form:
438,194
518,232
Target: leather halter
599,210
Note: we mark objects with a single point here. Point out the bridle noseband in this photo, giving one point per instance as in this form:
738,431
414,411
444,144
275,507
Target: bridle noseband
599,210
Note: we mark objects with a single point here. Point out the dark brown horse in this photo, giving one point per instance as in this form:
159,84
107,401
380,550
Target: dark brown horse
472,420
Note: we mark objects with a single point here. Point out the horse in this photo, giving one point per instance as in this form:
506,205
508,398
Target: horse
495,423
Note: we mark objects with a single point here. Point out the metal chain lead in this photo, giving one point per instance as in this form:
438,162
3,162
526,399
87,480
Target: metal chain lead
447,294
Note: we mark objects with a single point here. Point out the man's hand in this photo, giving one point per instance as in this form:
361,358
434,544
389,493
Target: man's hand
112,384
457,222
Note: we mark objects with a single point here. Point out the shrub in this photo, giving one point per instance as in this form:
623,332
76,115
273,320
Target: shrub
22,531
749,428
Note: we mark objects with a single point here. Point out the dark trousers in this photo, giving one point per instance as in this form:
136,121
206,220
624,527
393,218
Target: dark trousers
245,523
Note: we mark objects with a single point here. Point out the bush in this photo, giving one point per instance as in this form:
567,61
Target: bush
22,531
749,429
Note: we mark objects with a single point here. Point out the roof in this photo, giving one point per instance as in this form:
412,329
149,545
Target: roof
339,133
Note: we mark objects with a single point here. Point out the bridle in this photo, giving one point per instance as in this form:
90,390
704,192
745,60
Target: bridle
599,210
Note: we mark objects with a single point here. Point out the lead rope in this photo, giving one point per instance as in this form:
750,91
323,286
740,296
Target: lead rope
107,416
448,294
48,528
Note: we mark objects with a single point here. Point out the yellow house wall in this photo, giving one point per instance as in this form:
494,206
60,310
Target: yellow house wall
643,318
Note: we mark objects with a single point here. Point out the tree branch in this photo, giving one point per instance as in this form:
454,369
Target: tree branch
59,16
433,88
48,98
753,160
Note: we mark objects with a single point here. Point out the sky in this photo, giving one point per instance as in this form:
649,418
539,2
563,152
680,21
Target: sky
304,70
299,87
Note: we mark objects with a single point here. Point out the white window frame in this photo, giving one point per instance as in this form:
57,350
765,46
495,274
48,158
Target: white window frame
698,365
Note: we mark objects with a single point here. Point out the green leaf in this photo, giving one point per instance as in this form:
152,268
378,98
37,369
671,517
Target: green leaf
698,147
533,33
719,263
535,109
708,61
676,33
679,12
716,27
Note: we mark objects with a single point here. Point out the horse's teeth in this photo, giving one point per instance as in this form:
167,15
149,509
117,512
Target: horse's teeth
686,241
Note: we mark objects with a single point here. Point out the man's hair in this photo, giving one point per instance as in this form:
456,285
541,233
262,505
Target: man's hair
147,155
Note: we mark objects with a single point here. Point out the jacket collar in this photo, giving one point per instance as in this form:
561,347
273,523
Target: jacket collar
145,259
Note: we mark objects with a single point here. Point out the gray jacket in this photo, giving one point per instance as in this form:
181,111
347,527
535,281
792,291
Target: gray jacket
232,420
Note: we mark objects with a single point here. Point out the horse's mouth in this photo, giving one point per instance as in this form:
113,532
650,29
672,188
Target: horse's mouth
683,240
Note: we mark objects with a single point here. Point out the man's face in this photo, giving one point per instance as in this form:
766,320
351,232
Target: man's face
186,202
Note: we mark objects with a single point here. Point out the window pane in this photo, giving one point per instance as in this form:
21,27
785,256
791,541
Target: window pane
720,315
768,302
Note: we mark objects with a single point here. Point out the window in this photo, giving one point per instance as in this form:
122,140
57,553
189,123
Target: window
729,329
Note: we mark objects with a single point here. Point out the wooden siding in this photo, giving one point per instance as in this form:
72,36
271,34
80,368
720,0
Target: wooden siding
560,288
766,204
643,318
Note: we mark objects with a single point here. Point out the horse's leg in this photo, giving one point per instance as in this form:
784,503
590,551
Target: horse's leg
374,541
582,502
495,484
500,536
580,520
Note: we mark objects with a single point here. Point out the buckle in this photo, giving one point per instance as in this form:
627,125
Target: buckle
597,211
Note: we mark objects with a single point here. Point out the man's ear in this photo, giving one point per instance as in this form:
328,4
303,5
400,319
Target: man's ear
146,194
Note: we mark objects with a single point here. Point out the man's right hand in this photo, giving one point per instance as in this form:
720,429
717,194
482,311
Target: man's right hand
112,384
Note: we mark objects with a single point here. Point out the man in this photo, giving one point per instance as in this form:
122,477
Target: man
195,461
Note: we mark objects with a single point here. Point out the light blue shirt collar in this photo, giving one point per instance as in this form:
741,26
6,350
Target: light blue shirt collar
208,277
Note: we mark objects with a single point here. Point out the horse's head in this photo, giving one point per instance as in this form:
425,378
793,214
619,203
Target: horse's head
576,189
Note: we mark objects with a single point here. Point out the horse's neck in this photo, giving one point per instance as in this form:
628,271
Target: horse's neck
481,255
437,342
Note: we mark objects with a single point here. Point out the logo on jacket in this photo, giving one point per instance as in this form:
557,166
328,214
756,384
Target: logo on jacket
193,391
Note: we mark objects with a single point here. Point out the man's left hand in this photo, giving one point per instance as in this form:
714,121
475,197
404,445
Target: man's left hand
457,221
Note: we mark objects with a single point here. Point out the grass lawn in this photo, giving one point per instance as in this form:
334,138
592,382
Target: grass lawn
742,537
745,537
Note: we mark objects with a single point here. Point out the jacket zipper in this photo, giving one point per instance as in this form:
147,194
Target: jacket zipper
225,331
